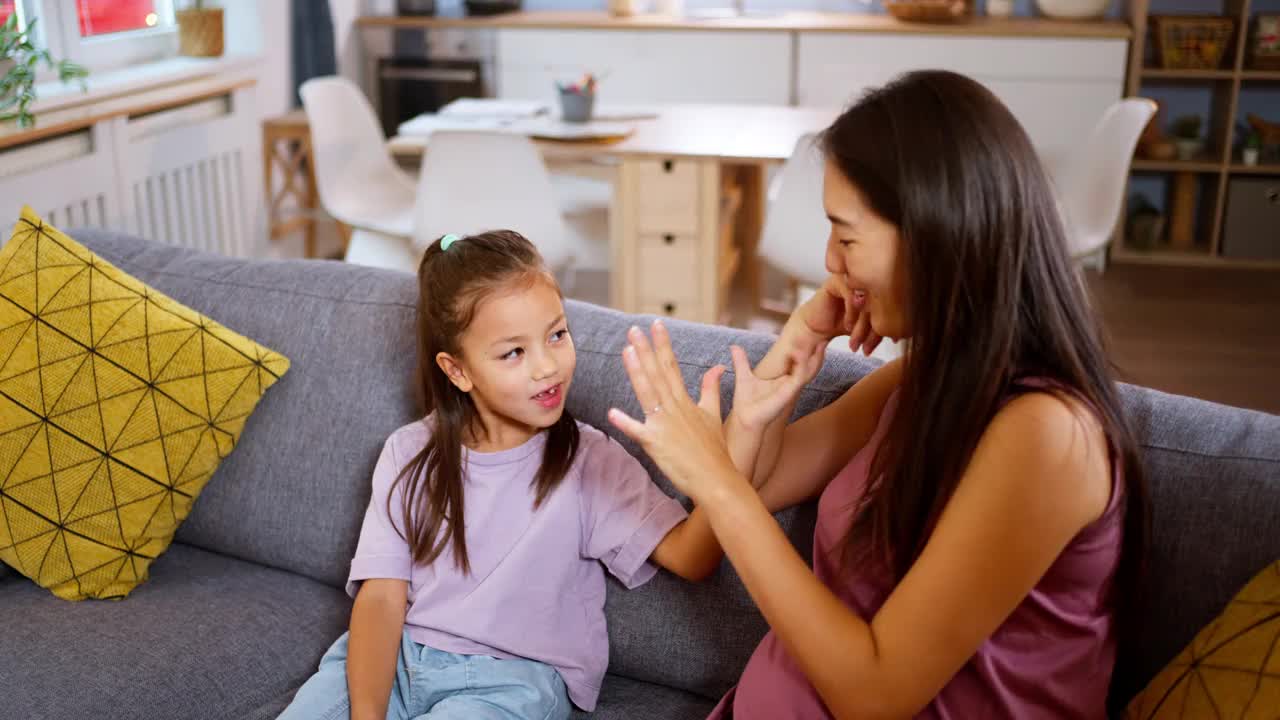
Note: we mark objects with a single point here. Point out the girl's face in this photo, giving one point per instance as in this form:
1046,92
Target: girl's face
517,362
863,248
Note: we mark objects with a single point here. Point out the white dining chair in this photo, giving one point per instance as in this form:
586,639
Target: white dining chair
1091,184
476,181
796,228
359,182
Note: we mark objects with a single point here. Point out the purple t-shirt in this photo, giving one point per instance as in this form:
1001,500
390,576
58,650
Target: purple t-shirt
536,588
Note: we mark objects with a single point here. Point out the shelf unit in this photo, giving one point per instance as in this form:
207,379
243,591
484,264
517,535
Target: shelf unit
1215,167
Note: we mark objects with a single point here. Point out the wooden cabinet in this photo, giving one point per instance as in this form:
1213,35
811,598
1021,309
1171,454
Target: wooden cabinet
647,66
666,222
1056,87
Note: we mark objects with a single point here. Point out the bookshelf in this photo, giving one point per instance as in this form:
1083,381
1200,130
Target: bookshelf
1210,173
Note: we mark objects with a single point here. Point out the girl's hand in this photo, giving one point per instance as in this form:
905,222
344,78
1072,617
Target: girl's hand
835,310
758,401
684,439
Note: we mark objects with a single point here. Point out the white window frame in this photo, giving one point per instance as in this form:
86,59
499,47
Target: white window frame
59,31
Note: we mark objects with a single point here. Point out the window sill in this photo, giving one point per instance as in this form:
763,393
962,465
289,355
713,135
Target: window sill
55,95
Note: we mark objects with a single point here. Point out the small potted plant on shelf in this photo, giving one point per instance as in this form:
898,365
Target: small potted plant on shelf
1252,148
1186,136
200,30
19,60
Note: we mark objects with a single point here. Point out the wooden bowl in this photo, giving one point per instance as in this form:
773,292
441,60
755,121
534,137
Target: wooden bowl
931,11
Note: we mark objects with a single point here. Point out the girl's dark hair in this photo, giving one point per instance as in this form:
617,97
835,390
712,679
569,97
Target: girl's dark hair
992,299
451,285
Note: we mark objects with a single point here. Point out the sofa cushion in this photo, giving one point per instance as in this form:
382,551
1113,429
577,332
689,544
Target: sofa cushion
294,493
208,636
117,405
625,699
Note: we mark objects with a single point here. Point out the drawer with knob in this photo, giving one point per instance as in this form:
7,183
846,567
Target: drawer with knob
667,197
668,266
679,309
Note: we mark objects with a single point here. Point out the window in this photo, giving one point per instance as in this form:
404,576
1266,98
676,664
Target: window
8,8
103,17
100,34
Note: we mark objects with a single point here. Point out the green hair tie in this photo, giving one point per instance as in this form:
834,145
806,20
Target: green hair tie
448,240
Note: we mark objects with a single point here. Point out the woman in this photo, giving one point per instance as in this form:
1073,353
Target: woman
982,512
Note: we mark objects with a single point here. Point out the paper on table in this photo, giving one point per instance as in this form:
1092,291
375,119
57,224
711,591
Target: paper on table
427,124
541,127
605,112
490,107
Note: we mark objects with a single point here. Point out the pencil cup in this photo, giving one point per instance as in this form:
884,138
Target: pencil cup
575,106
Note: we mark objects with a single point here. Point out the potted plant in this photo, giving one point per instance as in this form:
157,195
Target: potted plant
19,60
1252,148
1186,136
200,30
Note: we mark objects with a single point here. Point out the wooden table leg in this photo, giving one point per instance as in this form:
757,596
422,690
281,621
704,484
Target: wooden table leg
268,187
310,200
752,180
344,231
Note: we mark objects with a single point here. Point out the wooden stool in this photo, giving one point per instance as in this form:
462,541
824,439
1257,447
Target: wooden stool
286,141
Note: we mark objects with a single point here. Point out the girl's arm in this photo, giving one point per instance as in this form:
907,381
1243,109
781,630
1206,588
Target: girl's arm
757,431
377,620
814,448
691,550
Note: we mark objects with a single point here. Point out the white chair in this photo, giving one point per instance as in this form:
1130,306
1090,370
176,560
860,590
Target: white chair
358,181
477,181
796,228
794,238
1091,186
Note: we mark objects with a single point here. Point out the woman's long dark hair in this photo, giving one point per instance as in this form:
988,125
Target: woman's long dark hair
451,285
992,298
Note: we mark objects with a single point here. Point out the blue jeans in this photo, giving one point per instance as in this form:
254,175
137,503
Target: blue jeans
435,685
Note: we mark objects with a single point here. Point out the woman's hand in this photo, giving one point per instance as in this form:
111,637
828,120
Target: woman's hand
758,401
835,310
684,439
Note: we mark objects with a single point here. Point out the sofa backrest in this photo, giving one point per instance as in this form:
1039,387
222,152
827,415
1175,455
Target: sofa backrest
293,493
1214,475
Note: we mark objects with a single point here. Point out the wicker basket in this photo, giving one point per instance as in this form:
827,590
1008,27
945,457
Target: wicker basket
928,10
200,32
1192,42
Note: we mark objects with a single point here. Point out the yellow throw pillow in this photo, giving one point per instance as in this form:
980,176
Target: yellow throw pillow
1231,670
116,406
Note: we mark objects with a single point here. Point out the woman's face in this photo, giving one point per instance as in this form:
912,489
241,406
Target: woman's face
863,248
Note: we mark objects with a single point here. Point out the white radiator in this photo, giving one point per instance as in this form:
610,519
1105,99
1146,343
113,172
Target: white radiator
186,175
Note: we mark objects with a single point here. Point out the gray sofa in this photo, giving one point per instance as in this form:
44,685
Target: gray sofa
239,610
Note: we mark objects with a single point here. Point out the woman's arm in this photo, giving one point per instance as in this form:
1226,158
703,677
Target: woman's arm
1037,477
377,620
814,448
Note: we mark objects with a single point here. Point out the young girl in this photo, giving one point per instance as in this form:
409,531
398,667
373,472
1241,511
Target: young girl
478,585
982,510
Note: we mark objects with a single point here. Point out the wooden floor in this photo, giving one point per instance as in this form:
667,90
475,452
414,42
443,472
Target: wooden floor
1209,333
